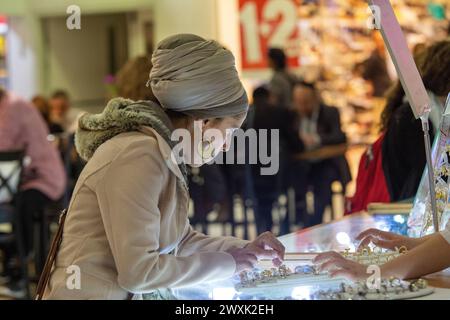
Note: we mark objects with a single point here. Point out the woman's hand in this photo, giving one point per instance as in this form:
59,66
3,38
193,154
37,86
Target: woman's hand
337,265
243,258
386,240
265,246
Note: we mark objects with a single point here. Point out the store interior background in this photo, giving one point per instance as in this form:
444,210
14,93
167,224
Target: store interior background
39,54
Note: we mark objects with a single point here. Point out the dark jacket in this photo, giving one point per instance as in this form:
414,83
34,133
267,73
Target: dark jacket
404,153
329,126
266,116
375,71
330,132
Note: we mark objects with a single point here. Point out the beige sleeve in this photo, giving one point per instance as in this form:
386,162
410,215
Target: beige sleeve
194,241
128,194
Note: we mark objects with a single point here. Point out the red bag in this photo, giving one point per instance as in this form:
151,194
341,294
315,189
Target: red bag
370,183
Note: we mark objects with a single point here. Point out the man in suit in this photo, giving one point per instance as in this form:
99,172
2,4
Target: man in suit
282,80
264,115
319,126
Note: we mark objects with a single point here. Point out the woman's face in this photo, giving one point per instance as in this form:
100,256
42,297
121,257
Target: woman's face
215,136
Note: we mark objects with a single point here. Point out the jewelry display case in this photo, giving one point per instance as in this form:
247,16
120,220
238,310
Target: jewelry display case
420,220
299,279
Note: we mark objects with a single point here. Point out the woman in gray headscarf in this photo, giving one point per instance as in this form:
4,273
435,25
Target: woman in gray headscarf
127,231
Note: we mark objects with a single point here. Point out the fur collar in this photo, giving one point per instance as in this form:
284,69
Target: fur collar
119,116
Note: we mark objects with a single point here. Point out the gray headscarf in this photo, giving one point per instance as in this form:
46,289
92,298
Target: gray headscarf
196,77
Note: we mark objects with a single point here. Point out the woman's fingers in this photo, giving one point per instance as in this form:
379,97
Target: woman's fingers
386,244
379,242
246,261
368,232
322,257
267,239
261,253
366,241
379,238
343,268
243,258
374,233
277,262
247,266
342,273
270,240
251,258
330,265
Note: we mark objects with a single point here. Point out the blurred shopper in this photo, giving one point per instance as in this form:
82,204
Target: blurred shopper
403,145
127,227
397,159
282,80
43,179
131,79
41,103
375,68
266,116
62,113
319,126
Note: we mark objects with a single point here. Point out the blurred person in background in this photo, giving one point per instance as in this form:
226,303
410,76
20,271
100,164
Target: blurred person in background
41,103
282,80
375,68
264,115
62,113
43,178
319,126
418,48
403,145
131,79
391,168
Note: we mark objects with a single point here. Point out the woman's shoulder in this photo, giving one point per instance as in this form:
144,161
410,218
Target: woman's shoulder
129,146
135,140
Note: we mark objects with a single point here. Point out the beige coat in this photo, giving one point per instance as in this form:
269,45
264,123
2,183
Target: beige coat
127,227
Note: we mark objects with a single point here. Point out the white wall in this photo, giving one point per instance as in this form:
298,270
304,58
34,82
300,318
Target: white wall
78,60
27,58
136,36
214,19
187,16
21,58
58,7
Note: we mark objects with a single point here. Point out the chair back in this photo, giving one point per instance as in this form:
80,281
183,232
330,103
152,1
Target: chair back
11,165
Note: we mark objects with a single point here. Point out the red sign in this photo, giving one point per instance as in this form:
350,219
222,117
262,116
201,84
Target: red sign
265,24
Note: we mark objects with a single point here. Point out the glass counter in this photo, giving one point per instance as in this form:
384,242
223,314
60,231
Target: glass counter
338,235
